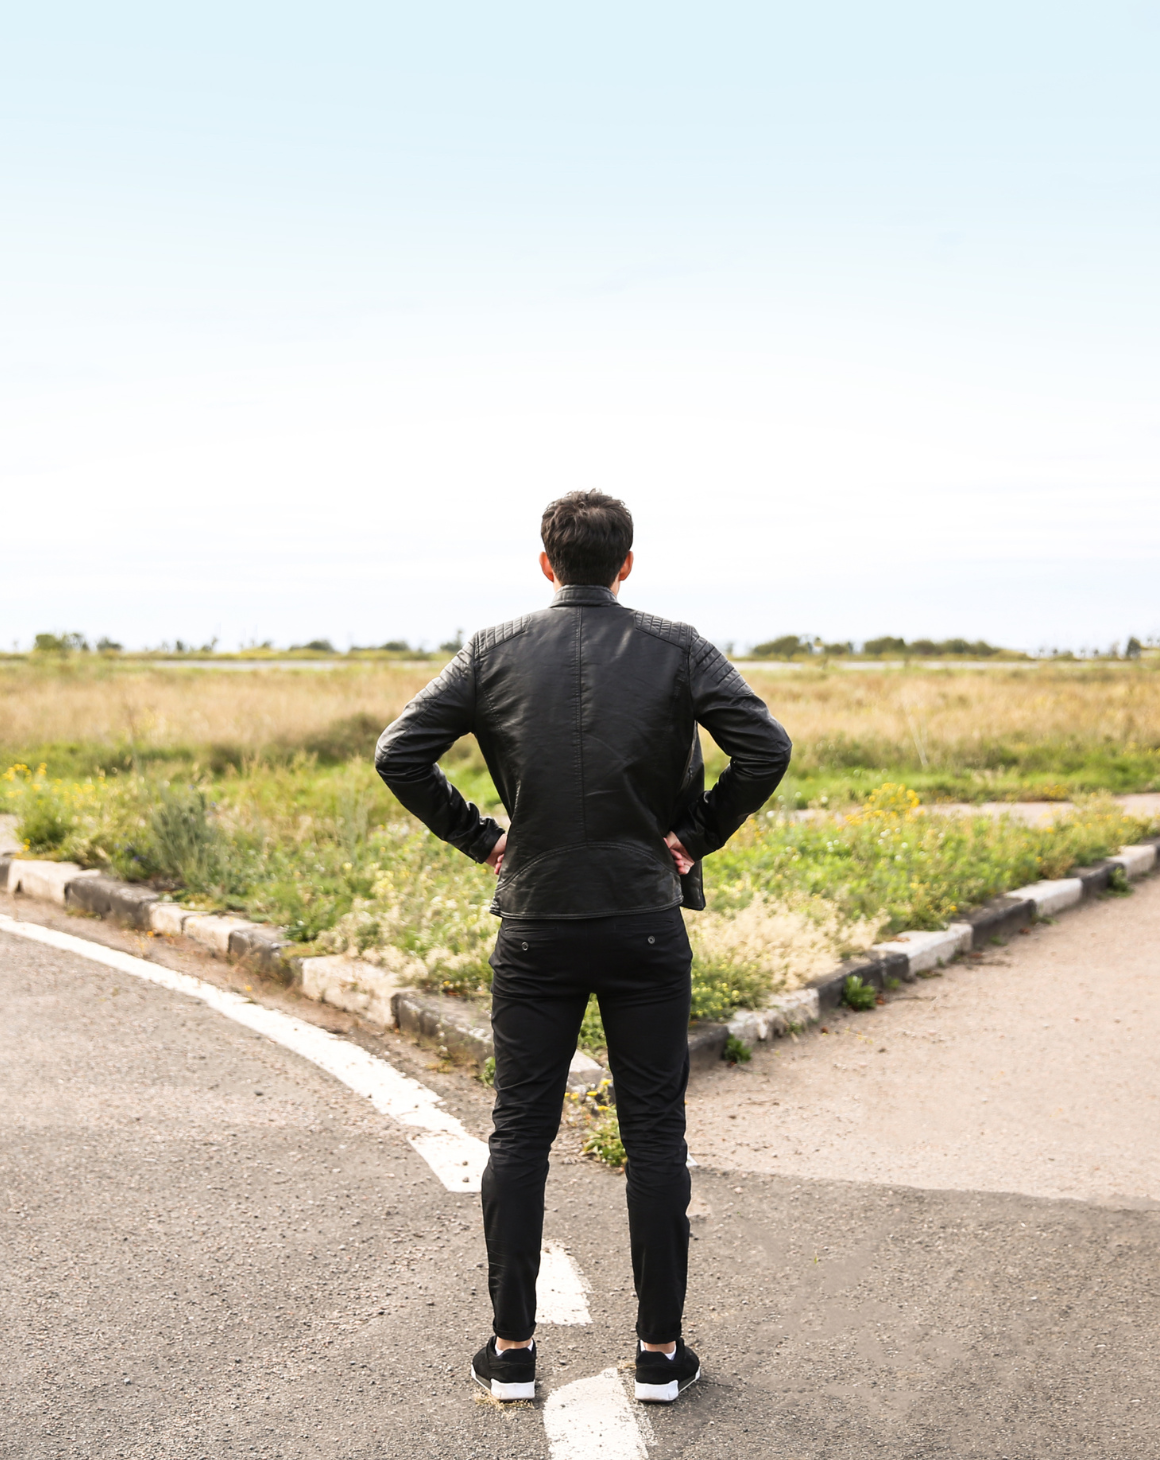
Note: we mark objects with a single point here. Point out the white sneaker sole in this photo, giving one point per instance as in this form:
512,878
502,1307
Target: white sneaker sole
505,1392
662,1393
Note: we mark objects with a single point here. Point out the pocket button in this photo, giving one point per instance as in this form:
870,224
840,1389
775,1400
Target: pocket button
524,946
652,940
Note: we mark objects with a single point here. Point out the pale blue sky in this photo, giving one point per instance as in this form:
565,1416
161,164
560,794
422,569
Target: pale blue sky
307,311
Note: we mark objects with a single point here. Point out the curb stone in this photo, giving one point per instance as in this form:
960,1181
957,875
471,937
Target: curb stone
462,1031
106,897
455,1028
1049,898
871,967
707,1045
48,881
214,932
370,991
346,983
1002,918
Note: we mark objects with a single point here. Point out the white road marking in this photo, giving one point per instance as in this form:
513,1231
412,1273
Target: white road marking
592,1419
456,1157
560,1288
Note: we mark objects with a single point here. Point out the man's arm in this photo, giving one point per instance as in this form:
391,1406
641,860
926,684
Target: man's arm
757,746
410,747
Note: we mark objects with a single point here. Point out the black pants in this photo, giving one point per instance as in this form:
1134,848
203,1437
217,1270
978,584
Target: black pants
638,967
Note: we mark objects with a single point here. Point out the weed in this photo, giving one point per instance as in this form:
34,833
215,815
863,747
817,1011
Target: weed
593,1040
858,994
603,1141
487,1072
737,1052
892,984
1118,884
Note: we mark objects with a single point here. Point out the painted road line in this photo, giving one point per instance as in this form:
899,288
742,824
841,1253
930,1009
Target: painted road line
456,1157
592,1419
560,1288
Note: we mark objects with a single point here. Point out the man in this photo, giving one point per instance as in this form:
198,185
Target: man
587,713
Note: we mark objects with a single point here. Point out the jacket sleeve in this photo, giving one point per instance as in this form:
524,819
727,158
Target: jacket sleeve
757,746
410,747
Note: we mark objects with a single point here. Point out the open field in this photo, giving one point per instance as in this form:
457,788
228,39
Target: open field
83,715
253,791
1040,732
1001,733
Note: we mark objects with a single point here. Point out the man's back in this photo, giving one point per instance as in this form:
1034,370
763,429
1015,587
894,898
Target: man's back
586,713
587,716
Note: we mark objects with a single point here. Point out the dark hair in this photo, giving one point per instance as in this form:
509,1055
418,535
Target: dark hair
587,537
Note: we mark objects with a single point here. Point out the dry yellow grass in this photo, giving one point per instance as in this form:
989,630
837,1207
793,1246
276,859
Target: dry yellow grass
169,707
924,714
787,945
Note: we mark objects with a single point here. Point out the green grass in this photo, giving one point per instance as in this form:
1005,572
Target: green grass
913,870
325,851
844,774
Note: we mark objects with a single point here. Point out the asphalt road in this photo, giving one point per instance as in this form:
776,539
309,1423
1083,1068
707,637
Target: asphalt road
213,1249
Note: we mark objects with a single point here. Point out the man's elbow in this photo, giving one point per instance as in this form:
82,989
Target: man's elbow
776,761
389,762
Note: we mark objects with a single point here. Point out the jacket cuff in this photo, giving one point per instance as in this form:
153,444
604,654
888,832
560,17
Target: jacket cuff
480,848
695,844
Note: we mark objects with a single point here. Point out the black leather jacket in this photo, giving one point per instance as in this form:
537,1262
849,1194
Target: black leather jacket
587,714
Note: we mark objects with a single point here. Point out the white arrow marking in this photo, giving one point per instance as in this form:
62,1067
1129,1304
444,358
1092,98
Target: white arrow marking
560,1289
593,1420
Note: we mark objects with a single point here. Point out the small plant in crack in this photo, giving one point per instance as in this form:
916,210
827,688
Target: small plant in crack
858,994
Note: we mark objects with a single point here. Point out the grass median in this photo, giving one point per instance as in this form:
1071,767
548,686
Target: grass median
328,854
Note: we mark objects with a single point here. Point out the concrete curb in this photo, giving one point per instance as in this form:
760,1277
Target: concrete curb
461,1031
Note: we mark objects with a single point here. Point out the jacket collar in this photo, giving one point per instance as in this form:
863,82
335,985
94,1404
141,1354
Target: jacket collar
584,595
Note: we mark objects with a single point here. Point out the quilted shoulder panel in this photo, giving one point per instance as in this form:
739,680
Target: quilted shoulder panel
708,660
500,633
663,628
458,669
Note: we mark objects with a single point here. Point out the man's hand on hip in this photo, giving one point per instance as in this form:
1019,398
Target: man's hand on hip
680,856
494,858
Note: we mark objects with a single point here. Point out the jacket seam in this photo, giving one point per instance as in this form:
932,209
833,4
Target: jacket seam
612,846
611,912
579,730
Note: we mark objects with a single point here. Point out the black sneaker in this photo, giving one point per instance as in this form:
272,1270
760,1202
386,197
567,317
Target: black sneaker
507,1375
660,1379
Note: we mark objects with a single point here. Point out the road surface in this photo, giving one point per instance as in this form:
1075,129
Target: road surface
214,1249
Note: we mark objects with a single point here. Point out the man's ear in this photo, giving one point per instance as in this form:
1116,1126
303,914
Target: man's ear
625,569
547,570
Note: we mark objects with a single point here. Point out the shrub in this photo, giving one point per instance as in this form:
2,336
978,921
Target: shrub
182,843
60,643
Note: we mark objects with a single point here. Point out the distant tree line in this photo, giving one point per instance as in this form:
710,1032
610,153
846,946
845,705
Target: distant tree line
790,646
794,646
